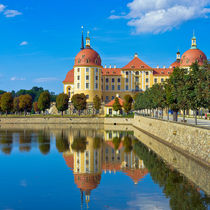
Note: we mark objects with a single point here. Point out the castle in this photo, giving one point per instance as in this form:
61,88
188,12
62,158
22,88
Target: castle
88,76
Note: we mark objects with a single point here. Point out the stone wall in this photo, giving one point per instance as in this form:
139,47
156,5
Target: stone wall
189,139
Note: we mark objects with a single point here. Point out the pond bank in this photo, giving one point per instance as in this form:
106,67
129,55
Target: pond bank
191,140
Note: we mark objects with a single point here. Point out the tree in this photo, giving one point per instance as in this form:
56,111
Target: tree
6,102
0,105
127,104
97,103
79,102
16,107
62,102
36,108
79,144
117,106
25,103
44,101
62,143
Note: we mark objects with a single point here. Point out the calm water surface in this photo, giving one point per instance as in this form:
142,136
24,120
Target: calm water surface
70,168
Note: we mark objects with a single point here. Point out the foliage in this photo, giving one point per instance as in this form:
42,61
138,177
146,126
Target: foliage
97,103
16,107
6,102
79,144
44,101
127,104
116,141
36,108
62,102
79,101
25,103
97,141
117,106
127,143
62,143
44,143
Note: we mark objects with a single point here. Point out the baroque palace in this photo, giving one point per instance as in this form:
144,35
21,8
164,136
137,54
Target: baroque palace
88,76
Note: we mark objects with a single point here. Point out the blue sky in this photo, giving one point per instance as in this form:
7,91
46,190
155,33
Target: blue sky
39,39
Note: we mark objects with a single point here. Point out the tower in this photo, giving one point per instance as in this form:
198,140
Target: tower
178,56
193,45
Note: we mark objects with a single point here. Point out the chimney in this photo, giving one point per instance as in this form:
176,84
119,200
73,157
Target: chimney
115,66
164,67
110,66
136,55
157,66
105,66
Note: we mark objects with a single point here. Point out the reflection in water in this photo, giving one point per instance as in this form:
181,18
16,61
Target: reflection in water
89,153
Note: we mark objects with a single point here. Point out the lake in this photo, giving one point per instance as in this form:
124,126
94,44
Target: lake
95,167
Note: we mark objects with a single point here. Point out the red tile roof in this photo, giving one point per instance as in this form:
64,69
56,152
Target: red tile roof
162,71
110,104
69,77
175,64
111,72
136,174
136,64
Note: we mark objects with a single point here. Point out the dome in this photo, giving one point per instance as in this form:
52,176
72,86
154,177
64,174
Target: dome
191,56
87,57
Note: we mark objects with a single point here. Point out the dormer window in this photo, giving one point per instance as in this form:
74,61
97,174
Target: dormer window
79,61
162,72
87,61
83,56
96,61
168,72
133,67
142,67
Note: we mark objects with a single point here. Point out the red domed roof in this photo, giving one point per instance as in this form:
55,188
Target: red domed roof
191,56
87,57
69,77
87,181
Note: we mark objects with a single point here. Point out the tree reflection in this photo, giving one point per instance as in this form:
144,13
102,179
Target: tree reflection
127,143
62,143
44,143
97,141
79,144
116,141
24,142
182,193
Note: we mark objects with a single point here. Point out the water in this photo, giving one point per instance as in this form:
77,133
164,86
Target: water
94,167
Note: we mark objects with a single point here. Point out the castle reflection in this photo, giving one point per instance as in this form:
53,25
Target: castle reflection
91,153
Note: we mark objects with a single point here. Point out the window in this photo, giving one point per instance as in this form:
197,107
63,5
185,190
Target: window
147,87
126,87
87,96
112,79
87,61
78,85
78,77
87,70
137,73
126,72
110,111
112,97
96,61
107,80
137,79
112,87
147,73
107,87
87,77
96,77
87,85
118,87
107,98
118,80
78,70
147,80
127,80
96,69
137,87
155,80
79,61
162,80
96,86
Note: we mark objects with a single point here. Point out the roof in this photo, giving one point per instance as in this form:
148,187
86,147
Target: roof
87,57
69,77
162,71
136,64
136,174
191,56
111,72
175,64
69,159
110,104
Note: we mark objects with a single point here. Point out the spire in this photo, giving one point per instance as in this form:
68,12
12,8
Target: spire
88,40
82,43
178,56
193,45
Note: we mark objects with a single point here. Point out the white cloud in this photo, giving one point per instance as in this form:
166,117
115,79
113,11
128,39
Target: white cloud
2,7
17,79
11,13
46,79
23,43
156,16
